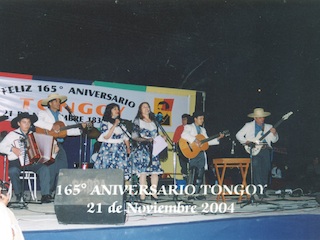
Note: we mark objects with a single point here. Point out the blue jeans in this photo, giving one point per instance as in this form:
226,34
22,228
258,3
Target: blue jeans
40,169
60,162
197,164
261,166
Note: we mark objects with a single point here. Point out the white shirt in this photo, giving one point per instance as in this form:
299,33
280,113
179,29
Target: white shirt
46,121
190,132
117,131
247,133
12,139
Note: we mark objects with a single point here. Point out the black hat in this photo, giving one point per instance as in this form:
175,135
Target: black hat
197,114
33,118
185,115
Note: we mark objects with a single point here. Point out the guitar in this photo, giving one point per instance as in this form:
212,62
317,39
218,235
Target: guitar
191,150
63,129
257,141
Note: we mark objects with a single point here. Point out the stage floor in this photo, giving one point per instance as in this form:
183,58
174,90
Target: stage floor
42,217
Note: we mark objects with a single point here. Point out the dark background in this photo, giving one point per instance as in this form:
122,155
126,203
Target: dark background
243,54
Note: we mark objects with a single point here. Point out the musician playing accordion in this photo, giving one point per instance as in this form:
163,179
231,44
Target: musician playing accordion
14,145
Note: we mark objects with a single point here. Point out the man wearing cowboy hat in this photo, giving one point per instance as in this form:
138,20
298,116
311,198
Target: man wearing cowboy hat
261,163
46,120
14,146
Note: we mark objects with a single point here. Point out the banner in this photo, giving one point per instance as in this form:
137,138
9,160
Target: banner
87,102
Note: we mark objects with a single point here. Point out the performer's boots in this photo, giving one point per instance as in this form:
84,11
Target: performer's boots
192,174
199,180
19,197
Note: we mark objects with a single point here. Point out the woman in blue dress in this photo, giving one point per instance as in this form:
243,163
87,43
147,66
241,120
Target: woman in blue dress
144,131
115,145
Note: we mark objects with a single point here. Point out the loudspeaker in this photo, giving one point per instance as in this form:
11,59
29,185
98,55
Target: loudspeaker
91,196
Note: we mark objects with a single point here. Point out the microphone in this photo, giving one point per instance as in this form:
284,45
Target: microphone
122,121
232,147
68,109
151,113
159,117
251,144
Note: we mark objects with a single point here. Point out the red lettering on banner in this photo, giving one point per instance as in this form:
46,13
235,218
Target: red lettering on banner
26,102
99,110
82,108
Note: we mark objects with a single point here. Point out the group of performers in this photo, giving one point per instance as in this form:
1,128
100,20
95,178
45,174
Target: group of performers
115,151
129,151
14,146
247,135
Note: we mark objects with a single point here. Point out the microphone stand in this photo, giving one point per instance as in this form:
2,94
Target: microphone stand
174,150
132,198
81,139
21,204
233,144
252,200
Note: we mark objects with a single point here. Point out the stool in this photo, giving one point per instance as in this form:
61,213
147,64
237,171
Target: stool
224,163
31,176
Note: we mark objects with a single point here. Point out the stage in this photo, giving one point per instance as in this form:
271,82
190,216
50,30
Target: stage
280,217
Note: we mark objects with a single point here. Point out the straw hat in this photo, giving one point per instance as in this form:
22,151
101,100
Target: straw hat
33,118
259,112
53,96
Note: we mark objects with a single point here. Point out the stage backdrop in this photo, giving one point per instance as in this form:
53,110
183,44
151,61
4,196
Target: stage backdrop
19,93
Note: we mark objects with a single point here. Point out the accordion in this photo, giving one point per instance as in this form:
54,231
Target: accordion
39,147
